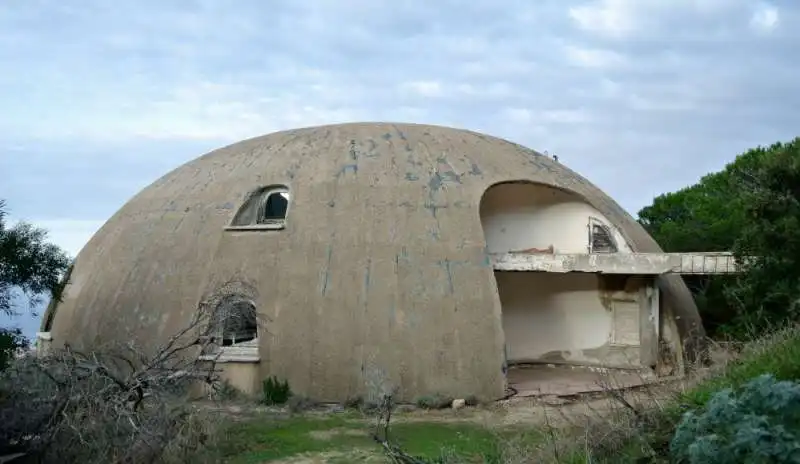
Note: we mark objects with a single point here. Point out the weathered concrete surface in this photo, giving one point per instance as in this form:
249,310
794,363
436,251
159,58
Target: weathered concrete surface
380,272
619,263
544,380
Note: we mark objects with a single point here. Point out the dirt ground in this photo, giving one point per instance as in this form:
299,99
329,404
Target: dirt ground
542,394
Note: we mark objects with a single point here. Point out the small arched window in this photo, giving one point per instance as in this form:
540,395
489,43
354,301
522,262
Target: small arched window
235,321
600,238
265,208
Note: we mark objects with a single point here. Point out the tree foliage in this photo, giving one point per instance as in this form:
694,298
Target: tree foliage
28,262
750,207
11,341
769,242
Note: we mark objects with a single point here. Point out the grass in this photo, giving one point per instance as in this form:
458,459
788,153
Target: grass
618,435
777,353
268,438
265,439
644,436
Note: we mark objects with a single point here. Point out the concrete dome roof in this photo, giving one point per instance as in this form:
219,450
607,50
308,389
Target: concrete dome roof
376,208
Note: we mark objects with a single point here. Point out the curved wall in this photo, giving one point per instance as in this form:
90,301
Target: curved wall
522,215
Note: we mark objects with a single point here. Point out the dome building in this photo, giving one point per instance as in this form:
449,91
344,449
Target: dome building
434,257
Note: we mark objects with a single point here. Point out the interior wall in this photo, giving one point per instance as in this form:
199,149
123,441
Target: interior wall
519,216
549,317
552,316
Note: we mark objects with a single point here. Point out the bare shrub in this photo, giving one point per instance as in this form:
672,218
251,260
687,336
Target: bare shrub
113,404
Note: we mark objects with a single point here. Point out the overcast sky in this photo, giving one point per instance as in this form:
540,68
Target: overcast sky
99,98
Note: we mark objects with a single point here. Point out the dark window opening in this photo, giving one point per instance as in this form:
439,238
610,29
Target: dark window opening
275,207
600,240
236,321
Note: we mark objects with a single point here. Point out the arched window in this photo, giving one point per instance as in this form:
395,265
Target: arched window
235,321
600,238
265,208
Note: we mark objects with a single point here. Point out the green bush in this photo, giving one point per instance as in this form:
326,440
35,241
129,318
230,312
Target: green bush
760,423
275,392
11,340
435,401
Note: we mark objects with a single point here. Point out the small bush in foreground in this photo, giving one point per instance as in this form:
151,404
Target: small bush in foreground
759,424
435,401
275,392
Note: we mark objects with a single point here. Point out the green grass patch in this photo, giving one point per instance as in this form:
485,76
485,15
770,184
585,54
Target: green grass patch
471,442
265,439
777,354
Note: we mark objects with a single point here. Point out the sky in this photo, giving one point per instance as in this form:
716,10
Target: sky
642,97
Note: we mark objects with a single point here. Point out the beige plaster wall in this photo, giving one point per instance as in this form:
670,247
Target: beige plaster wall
244,376
544,314
518,216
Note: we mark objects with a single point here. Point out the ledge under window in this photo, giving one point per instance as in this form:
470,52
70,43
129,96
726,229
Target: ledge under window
246,352
256,227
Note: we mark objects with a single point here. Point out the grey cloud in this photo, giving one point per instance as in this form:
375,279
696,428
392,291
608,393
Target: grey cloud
664,103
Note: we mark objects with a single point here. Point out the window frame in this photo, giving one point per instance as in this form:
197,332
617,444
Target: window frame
595,222
262,196
265,196
245,351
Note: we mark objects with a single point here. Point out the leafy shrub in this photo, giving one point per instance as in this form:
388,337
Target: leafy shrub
759,424
11,341
435,401
275,392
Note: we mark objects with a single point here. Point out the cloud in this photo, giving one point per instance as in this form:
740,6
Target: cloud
593,57
103,98
614,18
765,18
423,88
70,234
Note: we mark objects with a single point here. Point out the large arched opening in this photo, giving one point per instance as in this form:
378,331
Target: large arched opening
558,318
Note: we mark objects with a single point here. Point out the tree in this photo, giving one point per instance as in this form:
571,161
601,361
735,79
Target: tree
769,243
30,264
11,340
701,217
722,212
